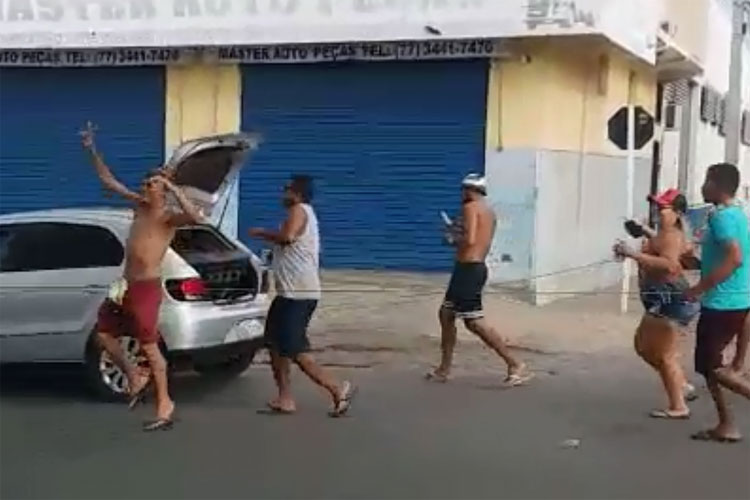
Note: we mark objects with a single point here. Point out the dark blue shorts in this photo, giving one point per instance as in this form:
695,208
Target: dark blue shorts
286,326
464,295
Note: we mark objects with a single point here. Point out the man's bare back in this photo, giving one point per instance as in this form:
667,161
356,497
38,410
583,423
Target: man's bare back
478,230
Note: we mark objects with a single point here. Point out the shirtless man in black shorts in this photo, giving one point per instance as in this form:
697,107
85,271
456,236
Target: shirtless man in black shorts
463,300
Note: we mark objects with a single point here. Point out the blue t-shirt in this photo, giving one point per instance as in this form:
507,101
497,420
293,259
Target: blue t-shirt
727,224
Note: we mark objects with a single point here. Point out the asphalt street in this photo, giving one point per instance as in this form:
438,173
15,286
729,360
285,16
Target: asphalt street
405,438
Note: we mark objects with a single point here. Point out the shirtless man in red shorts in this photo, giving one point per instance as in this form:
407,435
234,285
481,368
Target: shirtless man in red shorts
151,233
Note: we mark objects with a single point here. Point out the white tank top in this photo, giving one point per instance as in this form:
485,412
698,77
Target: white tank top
296,266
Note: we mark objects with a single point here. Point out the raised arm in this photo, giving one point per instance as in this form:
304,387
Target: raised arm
190,213
109,181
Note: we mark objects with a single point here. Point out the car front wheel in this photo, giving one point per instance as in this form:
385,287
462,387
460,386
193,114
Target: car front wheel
105,378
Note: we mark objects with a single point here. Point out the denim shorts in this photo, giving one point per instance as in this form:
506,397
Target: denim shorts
667,300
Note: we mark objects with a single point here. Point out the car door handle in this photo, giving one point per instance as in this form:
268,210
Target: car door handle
93,289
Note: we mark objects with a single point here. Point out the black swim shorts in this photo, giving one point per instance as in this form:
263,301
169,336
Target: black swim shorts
464,295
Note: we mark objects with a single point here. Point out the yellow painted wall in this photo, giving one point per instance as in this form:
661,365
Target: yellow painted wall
558,94
494,98
201,100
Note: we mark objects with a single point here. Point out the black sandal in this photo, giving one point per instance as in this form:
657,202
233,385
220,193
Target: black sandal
345,401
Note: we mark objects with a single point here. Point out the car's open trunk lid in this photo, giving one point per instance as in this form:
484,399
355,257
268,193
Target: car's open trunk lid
207,168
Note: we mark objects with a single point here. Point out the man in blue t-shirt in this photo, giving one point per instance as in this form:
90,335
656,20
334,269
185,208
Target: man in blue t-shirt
724,289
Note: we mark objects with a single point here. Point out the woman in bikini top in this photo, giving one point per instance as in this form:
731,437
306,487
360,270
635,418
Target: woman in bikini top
662,285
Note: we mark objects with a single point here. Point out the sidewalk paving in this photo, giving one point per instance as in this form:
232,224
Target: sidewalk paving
394,309
387,318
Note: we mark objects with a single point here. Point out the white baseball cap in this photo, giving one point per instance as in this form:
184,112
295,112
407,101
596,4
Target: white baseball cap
476,182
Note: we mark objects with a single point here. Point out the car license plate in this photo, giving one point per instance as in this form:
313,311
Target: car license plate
248,329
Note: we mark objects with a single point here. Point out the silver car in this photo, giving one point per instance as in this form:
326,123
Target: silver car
56,267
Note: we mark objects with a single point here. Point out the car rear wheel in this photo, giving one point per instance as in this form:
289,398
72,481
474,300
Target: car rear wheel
232,366
105,378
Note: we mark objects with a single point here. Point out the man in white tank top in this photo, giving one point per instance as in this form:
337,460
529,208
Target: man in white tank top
296,271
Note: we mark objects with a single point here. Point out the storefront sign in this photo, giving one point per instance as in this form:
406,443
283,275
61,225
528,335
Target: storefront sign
109,57
442,49
99,24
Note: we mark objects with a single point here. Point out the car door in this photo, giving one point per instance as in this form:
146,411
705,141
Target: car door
207,170
53,277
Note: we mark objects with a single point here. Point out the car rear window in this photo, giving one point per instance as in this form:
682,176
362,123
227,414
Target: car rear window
201,241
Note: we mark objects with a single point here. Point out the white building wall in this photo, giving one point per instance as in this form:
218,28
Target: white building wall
710,144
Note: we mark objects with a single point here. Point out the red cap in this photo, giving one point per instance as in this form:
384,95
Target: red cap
665,199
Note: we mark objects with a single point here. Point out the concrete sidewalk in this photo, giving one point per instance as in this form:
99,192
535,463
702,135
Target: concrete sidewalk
392,308
369,318
389,320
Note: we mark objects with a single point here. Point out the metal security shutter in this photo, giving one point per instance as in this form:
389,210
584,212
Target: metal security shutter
41,111
387,145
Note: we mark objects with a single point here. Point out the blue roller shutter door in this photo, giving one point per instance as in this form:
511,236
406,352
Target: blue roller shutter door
387,144
41,111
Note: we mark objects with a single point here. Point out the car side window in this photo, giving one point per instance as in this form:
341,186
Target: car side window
7,259
46,246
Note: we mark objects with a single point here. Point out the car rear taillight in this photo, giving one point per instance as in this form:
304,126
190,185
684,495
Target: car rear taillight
187,289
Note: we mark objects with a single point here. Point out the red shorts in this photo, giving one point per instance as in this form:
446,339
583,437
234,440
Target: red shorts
138,315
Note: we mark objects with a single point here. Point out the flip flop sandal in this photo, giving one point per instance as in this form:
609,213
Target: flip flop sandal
160,424
345,403
668,415
710,435
518,379
275,410
139,396
434,376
